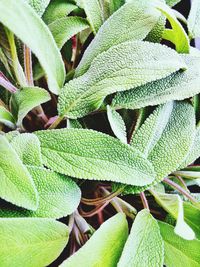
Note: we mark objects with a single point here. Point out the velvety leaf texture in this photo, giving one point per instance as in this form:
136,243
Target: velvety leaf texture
139,17
194,19
106,245
144,246
121,68
21,19
31,242
38,5
15,177
59,196
93,155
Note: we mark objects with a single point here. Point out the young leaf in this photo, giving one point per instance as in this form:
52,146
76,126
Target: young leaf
93,12
57,9
194,19
178,251
106,244
59,196
117,124
21,19
138,66
28,149
177,34
31,242
192,217
38,5
65,28
144,246
7,118
25,100
139,17
17,185
173,204
88,154
173,87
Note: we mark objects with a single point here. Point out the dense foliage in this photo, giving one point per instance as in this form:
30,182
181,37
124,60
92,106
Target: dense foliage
99,132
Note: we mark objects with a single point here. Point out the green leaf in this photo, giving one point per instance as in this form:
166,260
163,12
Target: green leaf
177,34
151,130
178,251
121,68
28,149
194,19
65,28
88,154
59,196
7,118
139,17
26,24
173,204
117,124
27,99
192,217
93,12
31,242
155,35
38,5
144,246
107,243
57,9
17,185
114,5
173,87
172,2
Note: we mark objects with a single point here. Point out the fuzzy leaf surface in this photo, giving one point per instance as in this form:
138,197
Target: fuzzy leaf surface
194,19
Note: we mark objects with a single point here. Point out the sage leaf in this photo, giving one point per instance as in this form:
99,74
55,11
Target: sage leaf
25,100
27,146
194,19
7,118
65,28
173,87
121,68
173,204
178,251
21,19
93,12
117,124
192,217
172,2
155,35
42,239
59,196
144,246
57,9
88,154
139,17
17,185
108,242
38,5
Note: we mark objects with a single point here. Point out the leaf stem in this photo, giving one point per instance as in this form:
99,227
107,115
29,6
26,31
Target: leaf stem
28,65
56,123
144,200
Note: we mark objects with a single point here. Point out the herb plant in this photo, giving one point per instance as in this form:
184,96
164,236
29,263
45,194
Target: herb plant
100,129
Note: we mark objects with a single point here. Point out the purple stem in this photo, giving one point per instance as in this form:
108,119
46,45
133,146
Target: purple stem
7,84
144,200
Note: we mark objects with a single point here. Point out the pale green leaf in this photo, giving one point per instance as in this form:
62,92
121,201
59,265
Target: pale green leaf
92,155
93,12
172,2
194,19
31,242
139,17
155,35
7,118
178,251
11,135
177,34
38,5
59,196
25,100
173,204
114,5
192,217
65,28
144,246
117,124
121,68
27,146
57,9
104,247
173,87
74,124
21,19
17,185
